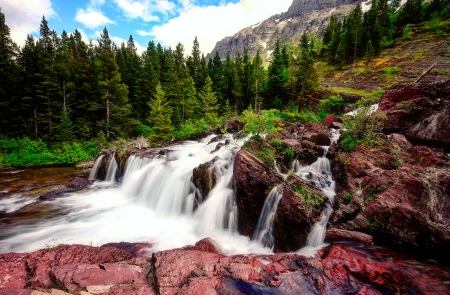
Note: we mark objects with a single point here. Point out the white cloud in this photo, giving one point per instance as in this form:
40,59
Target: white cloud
23,17
145,9
212,23
92,18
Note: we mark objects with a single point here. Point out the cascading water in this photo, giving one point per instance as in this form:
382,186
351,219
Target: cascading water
93,174
263,233
112,169
154,203
320,175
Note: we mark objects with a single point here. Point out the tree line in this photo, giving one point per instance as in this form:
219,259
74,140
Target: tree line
364,35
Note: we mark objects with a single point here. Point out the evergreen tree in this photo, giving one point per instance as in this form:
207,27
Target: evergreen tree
370,53
114,93
134,82
246,80
65,129
277,78
208,99
194,64
410,13
306,75
160,114
9,104
259,81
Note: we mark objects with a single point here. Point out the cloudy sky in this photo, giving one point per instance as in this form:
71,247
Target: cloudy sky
165,21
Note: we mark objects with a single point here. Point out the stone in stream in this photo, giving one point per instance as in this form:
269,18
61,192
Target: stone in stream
75,185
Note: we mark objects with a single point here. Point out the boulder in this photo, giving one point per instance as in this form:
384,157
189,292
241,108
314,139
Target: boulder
233,125
204,177
295,216
398,193
331,119
253,180
75,185
342,235
421,111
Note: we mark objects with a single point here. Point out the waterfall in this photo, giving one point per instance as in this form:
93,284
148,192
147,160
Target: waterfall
112,169
263,233
93,174
320,175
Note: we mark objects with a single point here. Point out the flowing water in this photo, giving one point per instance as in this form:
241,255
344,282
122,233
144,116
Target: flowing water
263,233
154,203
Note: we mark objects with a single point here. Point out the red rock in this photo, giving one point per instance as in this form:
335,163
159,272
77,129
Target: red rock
340,235
205,245
13,272
331,119
135,249
73,277
421,111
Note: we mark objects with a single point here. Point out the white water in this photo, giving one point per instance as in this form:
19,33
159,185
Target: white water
93,174
263,233
153,204
373,109
112,169
14,203
319,174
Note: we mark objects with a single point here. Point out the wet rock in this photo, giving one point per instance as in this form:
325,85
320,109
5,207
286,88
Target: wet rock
332,150
57,191
421,111
216,139
253,180
295,216
135,249
218,147
204,178
395,193
342,235
317,138
233,125
205,245
337,125
331,119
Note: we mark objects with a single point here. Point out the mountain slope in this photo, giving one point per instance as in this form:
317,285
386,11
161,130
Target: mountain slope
303,15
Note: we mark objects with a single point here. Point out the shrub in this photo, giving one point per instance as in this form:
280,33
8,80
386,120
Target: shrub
361,128
265,123
333,104
290,152
266,155
277,144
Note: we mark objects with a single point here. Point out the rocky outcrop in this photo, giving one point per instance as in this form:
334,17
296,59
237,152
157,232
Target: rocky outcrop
303,15
253,180
202,269
334,235
421,111
204,177
398,192
57,191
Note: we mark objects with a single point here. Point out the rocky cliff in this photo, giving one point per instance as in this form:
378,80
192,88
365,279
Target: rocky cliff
303,15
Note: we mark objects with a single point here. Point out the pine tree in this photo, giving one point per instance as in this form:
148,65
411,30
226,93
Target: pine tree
194,64
259,81
277,78
410,13
160,114
9,104
114,93
306,75
370,53
65,129
208,99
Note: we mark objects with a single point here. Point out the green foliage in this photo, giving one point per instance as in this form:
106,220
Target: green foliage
160,113
28,153
348,197
289,152
390,71
65,129
333,104
407,105
407,33
277,144
309,200
362,127
144,130
447,55
265,123
266,155
189,128
308,116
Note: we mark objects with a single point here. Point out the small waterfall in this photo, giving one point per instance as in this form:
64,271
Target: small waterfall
112,169
219,211
320,175
93,174
263,233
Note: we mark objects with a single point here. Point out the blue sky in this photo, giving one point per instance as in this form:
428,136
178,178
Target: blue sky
165,21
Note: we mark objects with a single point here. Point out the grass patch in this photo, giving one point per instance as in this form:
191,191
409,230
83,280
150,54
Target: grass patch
266,155
390,71
364,93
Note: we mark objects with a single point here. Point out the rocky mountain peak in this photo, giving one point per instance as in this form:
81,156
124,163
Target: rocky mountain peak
304,15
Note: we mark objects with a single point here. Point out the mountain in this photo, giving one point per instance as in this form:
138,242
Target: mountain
303,15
